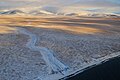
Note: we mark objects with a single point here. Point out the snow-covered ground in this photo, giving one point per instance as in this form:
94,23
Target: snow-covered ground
55,66
42,48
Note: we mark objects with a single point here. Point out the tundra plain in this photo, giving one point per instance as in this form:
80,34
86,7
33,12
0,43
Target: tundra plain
74,41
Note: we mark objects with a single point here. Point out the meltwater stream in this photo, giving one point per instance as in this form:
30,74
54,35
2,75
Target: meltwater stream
54,64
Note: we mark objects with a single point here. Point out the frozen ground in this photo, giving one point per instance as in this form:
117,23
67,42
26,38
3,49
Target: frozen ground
31,46
55,65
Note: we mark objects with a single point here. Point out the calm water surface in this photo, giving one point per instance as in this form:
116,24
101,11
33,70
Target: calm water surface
109,70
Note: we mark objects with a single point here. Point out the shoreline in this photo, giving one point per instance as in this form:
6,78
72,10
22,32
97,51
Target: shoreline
92,66
86,67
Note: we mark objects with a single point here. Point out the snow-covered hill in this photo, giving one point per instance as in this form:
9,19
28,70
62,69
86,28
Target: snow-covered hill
39,11
71,14
12,12
22,12
104,15
107,15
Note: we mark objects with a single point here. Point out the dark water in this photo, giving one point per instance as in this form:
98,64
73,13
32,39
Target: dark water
109,70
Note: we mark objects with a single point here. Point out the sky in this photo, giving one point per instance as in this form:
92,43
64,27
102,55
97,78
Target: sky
106,6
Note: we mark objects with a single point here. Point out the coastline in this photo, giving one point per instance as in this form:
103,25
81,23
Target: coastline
92,65
86,67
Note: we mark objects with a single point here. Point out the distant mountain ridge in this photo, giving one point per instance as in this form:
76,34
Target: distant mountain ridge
104,15
12,12
20,12
38,12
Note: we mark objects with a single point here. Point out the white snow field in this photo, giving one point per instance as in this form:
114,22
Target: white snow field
55,66
53,47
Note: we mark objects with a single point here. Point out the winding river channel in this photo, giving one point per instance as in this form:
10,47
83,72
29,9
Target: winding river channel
55,66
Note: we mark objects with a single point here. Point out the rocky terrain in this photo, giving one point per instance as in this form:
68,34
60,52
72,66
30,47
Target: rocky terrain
74,41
